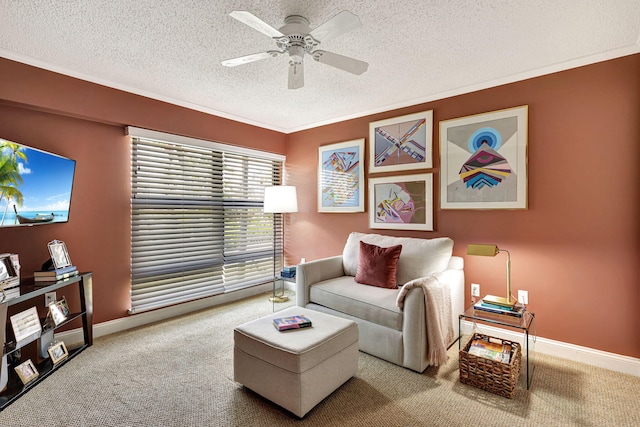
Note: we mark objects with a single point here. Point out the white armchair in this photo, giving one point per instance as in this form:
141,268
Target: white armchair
398,336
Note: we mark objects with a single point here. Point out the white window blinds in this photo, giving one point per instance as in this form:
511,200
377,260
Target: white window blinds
197,226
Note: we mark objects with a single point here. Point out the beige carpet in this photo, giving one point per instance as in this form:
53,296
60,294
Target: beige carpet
179,373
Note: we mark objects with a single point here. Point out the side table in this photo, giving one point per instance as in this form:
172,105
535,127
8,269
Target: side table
524,325
279,298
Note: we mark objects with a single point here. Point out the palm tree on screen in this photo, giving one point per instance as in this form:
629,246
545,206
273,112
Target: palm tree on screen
10,175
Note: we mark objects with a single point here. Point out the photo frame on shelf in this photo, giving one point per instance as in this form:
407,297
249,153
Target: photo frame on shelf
401,202
483,160
27,371
59,311
58,352
401,143
26,324
341,177
59,254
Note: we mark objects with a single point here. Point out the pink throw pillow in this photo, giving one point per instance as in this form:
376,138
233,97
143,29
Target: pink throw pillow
378,266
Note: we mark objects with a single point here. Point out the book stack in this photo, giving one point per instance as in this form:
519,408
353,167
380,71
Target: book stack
291,322
496,351
482,308
54,275
288,272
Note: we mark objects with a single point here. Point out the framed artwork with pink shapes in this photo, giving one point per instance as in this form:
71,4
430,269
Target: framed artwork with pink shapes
401,202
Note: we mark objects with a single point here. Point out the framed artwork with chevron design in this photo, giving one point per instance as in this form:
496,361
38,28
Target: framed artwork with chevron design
483,160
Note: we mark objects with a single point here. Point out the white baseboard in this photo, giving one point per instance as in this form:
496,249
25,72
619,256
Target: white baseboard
74,337
602,359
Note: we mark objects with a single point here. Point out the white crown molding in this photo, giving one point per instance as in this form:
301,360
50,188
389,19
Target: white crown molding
562,66
108,83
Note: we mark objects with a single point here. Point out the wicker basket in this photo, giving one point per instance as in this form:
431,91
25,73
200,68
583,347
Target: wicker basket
493,376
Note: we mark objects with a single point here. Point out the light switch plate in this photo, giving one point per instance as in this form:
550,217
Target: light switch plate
475,290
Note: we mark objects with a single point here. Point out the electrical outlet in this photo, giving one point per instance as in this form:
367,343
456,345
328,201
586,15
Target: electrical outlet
523,297
475,290
49,297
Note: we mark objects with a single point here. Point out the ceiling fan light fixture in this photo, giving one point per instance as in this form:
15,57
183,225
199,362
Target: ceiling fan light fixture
296,54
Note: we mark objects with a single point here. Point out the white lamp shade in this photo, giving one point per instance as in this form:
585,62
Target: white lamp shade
280,199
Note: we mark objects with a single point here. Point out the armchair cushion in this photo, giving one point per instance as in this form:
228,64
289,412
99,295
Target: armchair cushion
371,303
419,257
377,266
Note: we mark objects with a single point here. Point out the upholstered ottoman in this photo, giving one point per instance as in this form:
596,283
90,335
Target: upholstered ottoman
296,369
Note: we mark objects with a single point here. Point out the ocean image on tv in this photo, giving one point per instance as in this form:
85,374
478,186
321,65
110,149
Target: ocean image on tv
35,186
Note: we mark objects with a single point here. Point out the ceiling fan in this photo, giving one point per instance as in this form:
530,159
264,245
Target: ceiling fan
295,38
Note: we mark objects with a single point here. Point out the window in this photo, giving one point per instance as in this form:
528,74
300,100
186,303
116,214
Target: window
197,226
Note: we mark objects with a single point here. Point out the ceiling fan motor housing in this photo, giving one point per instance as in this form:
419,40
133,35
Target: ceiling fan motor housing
295,24
297,39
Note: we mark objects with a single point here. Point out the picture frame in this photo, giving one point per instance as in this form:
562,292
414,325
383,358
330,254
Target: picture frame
27,371
58,352
59,254
59,311
401,202
401,143
26,324
483,160
341,177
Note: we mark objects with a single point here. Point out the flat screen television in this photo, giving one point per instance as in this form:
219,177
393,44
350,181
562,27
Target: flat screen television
35,186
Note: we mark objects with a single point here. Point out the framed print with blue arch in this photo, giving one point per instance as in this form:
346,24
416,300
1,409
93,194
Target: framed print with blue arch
483,161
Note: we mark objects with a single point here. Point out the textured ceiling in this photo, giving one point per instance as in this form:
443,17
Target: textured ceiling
417,50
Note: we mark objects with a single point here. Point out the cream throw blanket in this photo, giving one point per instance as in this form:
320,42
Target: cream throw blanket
437,300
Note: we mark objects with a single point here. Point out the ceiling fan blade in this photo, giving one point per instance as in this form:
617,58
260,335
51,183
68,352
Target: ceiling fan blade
254,22
296,76
249,58
343,22
345,63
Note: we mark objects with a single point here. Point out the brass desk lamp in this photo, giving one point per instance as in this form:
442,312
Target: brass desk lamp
492,250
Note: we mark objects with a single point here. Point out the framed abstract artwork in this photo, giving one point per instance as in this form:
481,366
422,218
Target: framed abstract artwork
341,177
401,202
401,143
483,161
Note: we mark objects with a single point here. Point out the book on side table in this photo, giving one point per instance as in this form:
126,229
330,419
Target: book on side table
483,307
291,322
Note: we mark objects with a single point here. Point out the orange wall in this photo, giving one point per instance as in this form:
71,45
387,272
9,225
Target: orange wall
85,122
576,247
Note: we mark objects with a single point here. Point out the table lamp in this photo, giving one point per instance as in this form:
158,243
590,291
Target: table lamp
492,250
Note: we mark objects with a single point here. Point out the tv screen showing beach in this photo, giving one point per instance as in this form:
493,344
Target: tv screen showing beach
35,186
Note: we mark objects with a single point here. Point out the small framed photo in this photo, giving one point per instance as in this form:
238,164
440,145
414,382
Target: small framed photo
58,352
59,311
59,254
27,371
25,324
